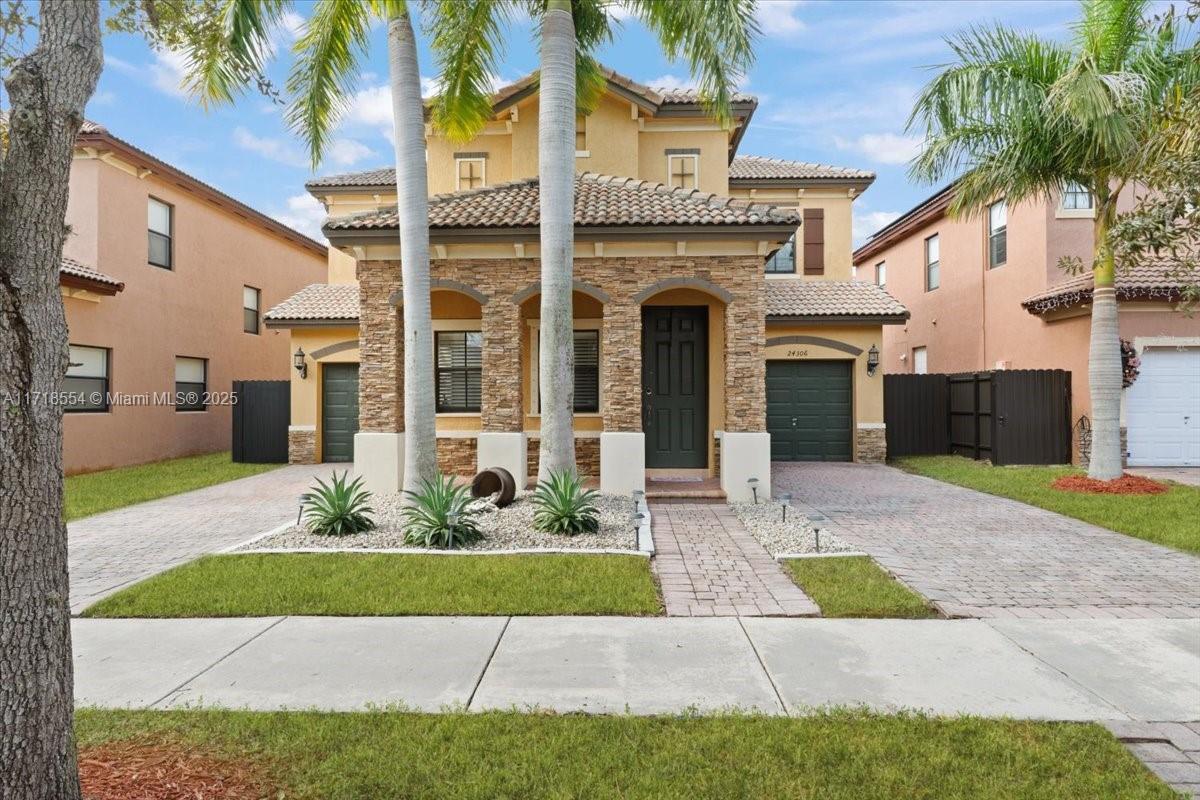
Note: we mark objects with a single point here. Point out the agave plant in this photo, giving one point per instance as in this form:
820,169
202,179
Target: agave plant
440,514
337,508
564,506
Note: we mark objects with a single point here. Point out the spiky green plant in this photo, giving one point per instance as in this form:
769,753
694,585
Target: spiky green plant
338,508
564,506
440,515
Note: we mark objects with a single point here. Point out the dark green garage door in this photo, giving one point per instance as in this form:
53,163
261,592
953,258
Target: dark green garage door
809,410
339,412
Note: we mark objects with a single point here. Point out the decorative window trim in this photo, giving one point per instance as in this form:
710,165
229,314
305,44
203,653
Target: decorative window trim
458,161
695,157
105,379
535,326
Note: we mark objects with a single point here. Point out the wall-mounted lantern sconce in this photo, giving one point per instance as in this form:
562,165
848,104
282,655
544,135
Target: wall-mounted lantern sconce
299,363
872,360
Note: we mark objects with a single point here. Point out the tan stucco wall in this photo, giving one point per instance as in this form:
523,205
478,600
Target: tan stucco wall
193,310
838,203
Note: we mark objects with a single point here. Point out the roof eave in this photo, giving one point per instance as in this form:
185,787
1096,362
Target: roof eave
90,285
330,322
837,319
924,213
861,184
607,233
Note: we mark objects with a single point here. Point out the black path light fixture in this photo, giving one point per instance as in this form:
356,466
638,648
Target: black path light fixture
638,496
785,500
872,360
299,363
753,484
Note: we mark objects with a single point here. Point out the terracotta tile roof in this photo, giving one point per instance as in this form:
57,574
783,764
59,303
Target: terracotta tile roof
378,177
763,168
1143,282
76,269
600,201
318,302
809,298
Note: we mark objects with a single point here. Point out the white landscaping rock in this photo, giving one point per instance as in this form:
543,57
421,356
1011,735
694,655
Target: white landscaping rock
796,536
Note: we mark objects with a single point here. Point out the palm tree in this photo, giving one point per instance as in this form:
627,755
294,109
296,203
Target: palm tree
1020,117
715,37
329,52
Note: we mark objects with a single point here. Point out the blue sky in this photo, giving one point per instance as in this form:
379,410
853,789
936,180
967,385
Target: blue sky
835,82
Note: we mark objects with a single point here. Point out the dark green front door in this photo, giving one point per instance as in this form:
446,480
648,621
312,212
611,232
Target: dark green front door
675,386
339,412
809,410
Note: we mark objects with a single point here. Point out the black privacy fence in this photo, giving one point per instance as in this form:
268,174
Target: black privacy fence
261,411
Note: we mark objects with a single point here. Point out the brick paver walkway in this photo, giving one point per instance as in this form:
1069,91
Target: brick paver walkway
977,555
110,550
709,565
1170,749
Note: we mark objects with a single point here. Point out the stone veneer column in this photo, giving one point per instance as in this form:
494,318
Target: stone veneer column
745,446
622,443
379,444
502,410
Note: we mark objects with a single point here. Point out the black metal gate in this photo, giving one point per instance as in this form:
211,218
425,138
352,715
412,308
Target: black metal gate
1005,416
261,413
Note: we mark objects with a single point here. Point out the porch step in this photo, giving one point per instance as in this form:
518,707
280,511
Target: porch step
706,490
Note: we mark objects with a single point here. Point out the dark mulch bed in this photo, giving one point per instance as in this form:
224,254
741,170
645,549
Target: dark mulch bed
133,771
1126,484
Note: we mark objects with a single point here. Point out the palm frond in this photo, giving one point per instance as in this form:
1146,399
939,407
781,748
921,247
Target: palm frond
227,50
467,42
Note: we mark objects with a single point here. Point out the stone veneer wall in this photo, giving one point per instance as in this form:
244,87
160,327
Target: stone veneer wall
587,456
381,345
302,447
870,445
457,455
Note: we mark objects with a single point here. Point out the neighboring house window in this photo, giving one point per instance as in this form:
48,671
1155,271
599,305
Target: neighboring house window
191,383
814,241
580,134
458,364
472,173
161,223
87,379
997,234
920,361
250,301
682,170
587,371
933,264
1076,198
783,260
881,274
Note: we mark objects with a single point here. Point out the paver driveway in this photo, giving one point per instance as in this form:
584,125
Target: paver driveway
977,555
107,551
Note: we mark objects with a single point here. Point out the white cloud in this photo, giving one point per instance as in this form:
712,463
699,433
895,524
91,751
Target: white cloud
868,222
672,82
292,24
780,17
430,86
168,71
273,149
618,11
370,106
884,148
304,213
347,152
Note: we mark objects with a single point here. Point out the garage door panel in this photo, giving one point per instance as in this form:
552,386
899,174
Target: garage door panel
809,412
1162,409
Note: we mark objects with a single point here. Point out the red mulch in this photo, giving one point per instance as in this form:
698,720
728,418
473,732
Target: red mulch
1126,484
132,771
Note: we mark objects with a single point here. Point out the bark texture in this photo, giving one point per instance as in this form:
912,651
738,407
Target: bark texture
420,446
48,89
1104,355
556,171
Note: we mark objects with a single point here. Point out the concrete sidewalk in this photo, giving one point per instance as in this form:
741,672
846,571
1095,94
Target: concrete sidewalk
1146,670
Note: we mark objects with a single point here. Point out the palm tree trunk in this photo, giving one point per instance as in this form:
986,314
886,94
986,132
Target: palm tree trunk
1104,355
48,89
420,445
556,170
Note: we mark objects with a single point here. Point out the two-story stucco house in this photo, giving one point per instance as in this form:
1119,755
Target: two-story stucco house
987,293
164,281
717,327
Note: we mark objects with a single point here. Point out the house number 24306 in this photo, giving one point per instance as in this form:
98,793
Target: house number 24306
797,353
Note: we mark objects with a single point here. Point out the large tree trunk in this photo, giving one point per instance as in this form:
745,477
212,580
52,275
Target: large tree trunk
49,89
420,443
1104,355
556,168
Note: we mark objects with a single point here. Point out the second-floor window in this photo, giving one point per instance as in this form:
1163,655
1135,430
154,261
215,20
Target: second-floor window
86,383
580,134
458,365
1076,198
191,383
933,264
682,170
997,234
161,224
472,173
783,260
250,301
881,274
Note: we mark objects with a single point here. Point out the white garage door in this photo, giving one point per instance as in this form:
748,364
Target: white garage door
1162,409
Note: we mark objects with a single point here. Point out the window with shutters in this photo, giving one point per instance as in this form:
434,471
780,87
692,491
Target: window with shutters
997,234
458,365
191,382
813,231
587,371
161,224
682,170
933,264
783,260
86,383
472,173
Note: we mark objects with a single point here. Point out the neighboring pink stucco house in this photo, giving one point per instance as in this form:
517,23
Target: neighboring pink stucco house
164,281
987,293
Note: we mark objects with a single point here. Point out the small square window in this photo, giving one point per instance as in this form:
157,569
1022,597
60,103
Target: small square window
472,173
86,382
1075,197
191,383
683,170
161,224
250,304
783,260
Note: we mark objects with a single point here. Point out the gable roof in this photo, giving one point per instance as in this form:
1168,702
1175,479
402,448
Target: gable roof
764,171
80,276
929,210
1154,280
603,203
317,303
792,299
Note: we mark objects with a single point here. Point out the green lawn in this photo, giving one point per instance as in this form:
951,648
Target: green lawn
386,584
855,586
1169,519
832,756
94,492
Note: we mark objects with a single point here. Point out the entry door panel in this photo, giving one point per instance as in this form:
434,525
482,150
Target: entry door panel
339,412
809,410
675,386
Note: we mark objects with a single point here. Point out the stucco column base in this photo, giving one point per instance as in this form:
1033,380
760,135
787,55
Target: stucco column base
508,450
745,456
379,459
622,462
